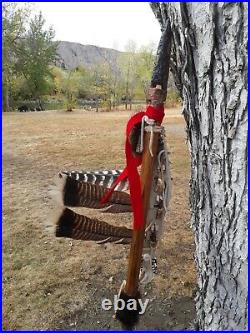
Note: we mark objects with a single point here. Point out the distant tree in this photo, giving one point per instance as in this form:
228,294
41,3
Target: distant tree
58,75
70,87
83,75
145,65
14,21
96,85
112,84
136,69
35,54
128,65
104,85
71,84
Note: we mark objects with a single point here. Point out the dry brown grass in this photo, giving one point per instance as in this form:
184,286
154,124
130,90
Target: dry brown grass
55,284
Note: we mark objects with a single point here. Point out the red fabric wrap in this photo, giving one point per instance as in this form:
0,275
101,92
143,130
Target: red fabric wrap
156,113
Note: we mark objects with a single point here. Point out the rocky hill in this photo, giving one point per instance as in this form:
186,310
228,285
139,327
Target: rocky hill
71,55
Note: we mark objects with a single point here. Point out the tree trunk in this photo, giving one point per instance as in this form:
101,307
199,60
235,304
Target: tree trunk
209,64
6,99
40,104
127,87
6,96
109,105
126,104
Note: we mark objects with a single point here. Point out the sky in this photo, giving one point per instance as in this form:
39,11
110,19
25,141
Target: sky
106,24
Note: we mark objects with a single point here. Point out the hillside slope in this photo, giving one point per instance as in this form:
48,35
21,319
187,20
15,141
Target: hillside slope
72,55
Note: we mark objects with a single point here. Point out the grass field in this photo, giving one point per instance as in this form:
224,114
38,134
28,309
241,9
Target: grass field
52,284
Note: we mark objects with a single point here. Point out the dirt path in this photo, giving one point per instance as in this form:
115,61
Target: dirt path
51,284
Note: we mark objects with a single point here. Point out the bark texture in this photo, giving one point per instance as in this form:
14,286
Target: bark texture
209,63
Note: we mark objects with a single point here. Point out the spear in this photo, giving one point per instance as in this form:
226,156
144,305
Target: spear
129,316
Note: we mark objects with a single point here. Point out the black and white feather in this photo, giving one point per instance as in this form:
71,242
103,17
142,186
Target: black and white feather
70,192
99,177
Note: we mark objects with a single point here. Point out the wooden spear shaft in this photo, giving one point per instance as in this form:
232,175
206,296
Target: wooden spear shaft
159,81
136,247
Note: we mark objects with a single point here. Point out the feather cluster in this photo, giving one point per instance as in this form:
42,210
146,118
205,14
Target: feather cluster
85,189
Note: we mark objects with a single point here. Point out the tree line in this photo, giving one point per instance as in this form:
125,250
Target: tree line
107,84
28,50
29,72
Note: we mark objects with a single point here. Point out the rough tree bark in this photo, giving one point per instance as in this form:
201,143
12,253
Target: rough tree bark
210,68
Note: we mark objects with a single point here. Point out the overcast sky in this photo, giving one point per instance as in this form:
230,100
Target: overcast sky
107,24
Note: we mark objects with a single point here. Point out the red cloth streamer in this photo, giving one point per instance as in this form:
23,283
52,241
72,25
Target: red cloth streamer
156,113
